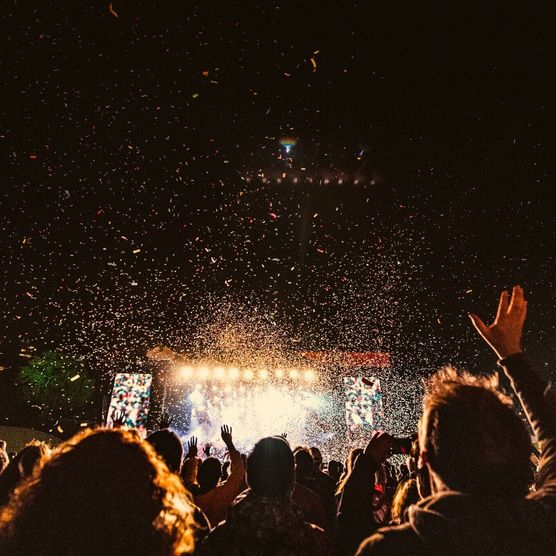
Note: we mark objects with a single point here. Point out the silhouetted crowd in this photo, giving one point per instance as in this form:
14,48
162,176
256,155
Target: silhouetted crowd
478,480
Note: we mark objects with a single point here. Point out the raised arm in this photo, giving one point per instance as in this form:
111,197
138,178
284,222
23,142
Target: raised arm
237,469
504,336
355,508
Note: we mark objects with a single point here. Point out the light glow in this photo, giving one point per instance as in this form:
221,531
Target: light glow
223,374
203,373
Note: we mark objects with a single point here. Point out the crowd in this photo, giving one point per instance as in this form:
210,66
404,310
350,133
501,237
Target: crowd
472,483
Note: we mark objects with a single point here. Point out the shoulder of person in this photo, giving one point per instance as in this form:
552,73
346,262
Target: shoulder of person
400,539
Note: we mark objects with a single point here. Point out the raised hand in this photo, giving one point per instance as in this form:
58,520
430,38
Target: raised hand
379,446
226,434
165,420
207,448
192,447
118,419
504,334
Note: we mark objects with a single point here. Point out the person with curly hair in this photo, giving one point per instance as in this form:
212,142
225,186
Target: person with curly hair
101,492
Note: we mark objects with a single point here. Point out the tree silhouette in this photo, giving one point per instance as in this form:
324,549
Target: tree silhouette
57,383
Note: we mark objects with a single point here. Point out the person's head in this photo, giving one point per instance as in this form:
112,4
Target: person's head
335,469
168,446
317,458
303,463
209,474
406,495
104,492
19,467
270,468
471,439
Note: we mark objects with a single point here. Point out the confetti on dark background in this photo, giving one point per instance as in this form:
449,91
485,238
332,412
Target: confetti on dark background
127,130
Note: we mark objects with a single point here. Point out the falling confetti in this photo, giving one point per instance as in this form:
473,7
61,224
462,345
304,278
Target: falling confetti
141,205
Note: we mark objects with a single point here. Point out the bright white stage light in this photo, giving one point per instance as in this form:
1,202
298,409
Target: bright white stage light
294,373
233,373
196,397
204,373
279,373
248,374
219,373
309,375
263,374
186,372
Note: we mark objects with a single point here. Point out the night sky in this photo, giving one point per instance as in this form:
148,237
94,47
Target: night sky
127,130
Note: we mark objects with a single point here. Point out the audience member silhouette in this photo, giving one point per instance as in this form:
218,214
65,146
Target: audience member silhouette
101,492
20,467
477,449
264,520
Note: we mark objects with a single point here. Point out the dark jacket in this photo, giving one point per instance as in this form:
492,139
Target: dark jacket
355,506
310,505
461,524
258,526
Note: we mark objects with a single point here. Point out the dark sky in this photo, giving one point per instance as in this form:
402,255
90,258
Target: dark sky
126,132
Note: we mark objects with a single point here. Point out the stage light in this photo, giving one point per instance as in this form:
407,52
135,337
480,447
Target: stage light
294,373
196,397
288,143
233,373
220,373
263,374
279,373
248,374
204,373
309,375
186,372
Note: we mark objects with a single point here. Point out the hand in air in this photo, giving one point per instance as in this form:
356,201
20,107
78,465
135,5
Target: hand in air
504,334
226,434
118,419
207,448
378,448
165,420
192,447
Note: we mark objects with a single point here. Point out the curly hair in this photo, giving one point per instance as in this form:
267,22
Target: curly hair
474,440
101,492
